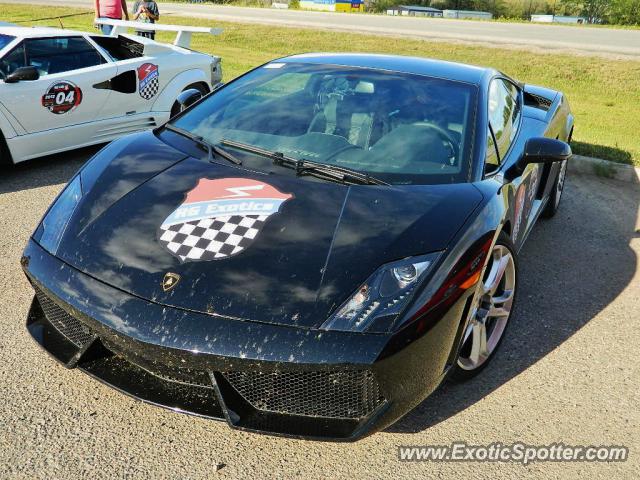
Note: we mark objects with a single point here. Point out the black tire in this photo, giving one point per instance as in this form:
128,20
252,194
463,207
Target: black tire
201,87
458,373
6,160
551,208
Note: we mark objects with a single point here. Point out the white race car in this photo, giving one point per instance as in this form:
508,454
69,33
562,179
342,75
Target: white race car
62,89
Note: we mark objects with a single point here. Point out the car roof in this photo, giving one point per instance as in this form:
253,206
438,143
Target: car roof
397,63
27,32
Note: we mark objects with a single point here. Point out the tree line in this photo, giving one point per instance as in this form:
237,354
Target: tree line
617,12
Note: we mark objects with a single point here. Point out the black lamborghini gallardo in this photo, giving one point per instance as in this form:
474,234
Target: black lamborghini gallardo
308,250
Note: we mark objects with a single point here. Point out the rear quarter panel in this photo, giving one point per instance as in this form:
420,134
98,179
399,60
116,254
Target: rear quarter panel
180,68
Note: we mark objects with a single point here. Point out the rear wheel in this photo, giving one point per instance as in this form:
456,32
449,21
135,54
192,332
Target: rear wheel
201,87
490,311
554,198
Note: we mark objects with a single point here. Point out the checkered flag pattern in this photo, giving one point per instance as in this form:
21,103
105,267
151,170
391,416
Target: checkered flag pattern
150,89
212,238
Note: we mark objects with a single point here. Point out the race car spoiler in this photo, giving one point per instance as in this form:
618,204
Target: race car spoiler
183,37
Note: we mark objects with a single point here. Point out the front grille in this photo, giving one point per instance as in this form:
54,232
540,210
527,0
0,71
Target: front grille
74,330
120,373
333,394
163,371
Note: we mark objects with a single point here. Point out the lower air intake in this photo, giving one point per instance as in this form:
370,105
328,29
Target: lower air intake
67,325
332,394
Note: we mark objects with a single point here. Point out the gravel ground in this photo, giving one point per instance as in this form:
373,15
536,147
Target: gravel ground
567,372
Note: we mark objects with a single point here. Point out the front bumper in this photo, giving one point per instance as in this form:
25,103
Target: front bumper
259,377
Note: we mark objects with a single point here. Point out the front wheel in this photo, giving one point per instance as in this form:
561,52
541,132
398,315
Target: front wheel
490,311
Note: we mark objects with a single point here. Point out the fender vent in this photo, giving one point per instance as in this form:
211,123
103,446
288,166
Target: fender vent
537,101
124,127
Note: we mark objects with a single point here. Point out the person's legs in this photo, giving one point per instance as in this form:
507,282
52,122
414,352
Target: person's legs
106,29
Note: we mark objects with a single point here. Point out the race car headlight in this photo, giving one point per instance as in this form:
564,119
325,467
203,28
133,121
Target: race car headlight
382,297
55,221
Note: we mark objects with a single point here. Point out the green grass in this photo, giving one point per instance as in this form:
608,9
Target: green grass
604,94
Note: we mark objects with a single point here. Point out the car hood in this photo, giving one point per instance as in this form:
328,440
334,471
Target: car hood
242,244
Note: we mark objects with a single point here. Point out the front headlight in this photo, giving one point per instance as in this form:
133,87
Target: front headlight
382,297
55,222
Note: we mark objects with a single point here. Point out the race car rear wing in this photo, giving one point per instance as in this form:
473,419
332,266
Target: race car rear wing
183,36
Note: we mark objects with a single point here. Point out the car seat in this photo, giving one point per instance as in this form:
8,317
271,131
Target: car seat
352,113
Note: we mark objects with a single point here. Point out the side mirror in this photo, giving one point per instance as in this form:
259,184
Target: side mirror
188,98
545,150
22,74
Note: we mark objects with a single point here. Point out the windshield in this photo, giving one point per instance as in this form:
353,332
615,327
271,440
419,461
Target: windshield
402,128
5,40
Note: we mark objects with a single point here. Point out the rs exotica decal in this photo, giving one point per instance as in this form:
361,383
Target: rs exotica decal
148,80
533,183
220,218
62,97
520,195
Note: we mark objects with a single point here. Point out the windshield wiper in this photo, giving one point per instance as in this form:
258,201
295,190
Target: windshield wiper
209,148
308,167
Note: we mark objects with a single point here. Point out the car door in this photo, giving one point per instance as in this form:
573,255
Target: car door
64,95
149,76
141,76
505,111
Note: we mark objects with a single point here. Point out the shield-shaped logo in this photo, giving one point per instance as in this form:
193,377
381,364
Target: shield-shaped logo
220,218
148,80
170,280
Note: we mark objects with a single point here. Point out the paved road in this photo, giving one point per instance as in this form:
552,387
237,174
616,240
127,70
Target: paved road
593,41
568,370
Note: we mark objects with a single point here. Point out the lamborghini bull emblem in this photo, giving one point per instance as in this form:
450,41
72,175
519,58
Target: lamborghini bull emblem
220,218
169,281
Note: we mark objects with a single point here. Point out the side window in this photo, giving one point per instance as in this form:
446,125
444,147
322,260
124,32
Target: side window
61,54
492,162
119,48
504,113
12,60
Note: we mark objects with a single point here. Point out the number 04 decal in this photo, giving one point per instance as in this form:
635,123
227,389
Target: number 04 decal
62,97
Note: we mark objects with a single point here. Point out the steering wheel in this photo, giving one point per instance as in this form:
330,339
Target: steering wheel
447,138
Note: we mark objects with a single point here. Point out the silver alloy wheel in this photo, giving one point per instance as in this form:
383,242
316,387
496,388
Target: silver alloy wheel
491,310
560,183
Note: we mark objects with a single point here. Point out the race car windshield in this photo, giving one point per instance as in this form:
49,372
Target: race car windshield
398,127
